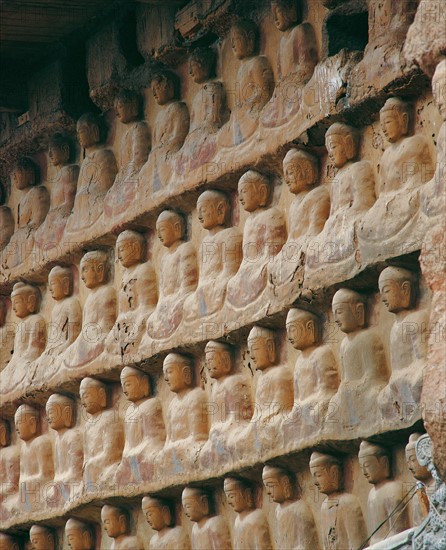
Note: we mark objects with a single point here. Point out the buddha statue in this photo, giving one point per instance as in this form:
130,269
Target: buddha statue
251,530
408,340
134,151
99,312
7,331
177,275
220,256
254,85
169,131
116,524
42,538
295,527
9,542
31,211
80,535
264,234
209,531
385,494
307,215
161,519
6,221
405,166
342,524
363,364
97,174
103,434
9,471
62,179
295,61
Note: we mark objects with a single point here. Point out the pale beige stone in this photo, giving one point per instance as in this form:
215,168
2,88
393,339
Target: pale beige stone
80,535
9,470
6,221
7,332
116,524
161,519
42,538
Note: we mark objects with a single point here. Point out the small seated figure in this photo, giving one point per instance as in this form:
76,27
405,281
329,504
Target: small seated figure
66,317
251,531
103,434
254,85
143,427
307,215
31,211
408,340
9,471
296,60
169,132
207,113
36,456
134,150
221,254
420,507
341,519
352,193
405,166
161,519
185,422
264,234
97,174
385,493
316,377
295,527
29,339
9,542
7,331
137,294
99,310
63,184
68,447
209,531
42,538
80,535
363,364
6,221
116,524
177,275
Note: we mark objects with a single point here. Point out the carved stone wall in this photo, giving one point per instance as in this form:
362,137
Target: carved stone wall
215,319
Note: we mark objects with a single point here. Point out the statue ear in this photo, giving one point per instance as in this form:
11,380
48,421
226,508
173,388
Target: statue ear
406,288
405,122
31,302
33,421
227,362
187,376
311,329
177,228
123,523
360,313
96,134
205,502
335,474
167,516
67,416
271,349
103,397
66,286
221,210
263,194
86,537
384,460
350,148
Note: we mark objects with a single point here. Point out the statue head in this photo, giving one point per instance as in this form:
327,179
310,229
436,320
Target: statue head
59,149
300,170
253,190
130,248
341,142
219,359
157,512
93,394
262,347
213,209
170,227
25,173
135,384
394,119
285,13
60,411
127,106
374,461
25,299
8,542
419,472
60,282
178,372
196,503
27,422
94,268
5,433
326,471
244,38
165,86
349,309
303,328
89,130
439,87
80,535
202,64
398,288
239,494
115,520
279,484
42,538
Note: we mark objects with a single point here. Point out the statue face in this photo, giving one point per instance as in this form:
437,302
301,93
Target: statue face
207,213
373,468
438,89
58,155
298,333
92,273
240,44
21,305
75,539
392,125
57,286
421,473
132,387
55,414
111,523
260,352
6,542
217,363
393,296
193,508
236,496
336,150
344,316
323,477
85,135
174,376
274,488
248,195
129,252
162,91
283,18
154,516
40,541
298,175
167,233
126,112
197,72
91,399
21,179
25,425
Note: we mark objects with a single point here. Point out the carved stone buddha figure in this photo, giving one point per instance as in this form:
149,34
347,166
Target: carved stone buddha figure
161,519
